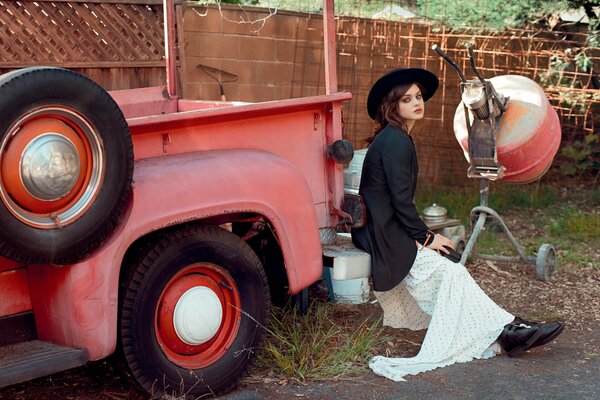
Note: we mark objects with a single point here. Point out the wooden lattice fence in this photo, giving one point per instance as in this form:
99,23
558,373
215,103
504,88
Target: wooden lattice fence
118,43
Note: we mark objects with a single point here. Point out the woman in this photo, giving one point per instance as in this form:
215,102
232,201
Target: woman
416,286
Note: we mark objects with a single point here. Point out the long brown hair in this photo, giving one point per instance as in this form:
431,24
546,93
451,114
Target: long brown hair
388,112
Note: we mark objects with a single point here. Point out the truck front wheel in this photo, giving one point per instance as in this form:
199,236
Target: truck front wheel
194,311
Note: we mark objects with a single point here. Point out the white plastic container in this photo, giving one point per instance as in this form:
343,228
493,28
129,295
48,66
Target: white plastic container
351,291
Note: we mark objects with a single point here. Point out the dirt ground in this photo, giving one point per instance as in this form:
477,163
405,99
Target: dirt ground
573,297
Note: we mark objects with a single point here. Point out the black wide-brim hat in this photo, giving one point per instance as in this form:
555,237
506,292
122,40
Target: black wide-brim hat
400,76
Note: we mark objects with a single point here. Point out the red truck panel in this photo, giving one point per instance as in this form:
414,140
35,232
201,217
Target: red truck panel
76,305
6,264
14,290
298,130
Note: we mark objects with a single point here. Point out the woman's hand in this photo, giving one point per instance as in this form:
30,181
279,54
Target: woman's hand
439,241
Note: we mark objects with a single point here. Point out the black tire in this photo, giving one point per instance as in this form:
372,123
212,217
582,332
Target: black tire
169,262
65,223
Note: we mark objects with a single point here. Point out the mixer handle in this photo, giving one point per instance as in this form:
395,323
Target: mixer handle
473,67
450,61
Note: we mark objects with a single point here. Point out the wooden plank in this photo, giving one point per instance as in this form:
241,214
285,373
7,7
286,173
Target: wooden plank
170,49
179,10
133,77
86,64
329,33
140,2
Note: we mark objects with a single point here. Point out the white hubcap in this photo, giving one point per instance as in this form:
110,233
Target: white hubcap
197,315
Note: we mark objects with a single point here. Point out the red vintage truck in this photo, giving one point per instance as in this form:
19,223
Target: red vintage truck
142,222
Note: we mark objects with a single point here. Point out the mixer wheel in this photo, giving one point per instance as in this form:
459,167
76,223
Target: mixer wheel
545,263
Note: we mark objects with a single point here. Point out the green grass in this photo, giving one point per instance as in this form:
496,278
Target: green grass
490,242
565,219
592,196
572,235
508,197
317,346
545,314
577,225
459,201
575,257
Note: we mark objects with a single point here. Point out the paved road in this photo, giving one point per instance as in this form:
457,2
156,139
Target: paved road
567,369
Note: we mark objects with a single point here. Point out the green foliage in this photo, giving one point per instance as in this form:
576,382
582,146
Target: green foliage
565,61
247,2
554,76
583,62
488,13
315,346
580,155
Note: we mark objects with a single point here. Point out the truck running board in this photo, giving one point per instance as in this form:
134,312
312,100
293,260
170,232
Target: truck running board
29,360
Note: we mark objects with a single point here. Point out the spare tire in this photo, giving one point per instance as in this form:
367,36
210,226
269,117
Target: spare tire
66,164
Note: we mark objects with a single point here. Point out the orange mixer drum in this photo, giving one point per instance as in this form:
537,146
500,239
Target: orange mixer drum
529,133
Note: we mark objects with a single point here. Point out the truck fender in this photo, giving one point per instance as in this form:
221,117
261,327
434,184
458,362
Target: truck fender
77,305
236,181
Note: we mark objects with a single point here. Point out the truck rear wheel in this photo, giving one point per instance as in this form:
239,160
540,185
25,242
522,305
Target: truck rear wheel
66,164
194,311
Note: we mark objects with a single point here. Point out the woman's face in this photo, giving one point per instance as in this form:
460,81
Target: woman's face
411,106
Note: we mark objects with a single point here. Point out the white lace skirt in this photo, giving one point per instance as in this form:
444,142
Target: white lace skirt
462,321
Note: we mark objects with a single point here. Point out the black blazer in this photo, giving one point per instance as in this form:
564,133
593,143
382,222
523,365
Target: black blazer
388,184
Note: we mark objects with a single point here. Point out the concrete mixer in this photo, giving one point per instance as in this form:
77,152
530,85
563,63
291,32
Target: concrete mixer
508,132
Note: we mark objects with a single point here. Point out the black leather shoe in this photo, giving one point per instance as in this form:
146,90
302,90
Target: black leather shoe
550,330
516,338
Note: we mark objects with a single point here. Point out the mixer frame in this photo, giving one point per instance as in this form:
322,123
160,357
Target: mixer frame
486,115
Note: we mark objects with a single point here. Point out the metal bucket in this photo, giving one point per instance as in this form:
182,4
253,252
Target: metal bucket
353,173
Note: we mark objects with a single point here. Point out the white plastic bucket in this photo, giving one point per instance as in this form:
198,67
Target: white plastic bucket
351,291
